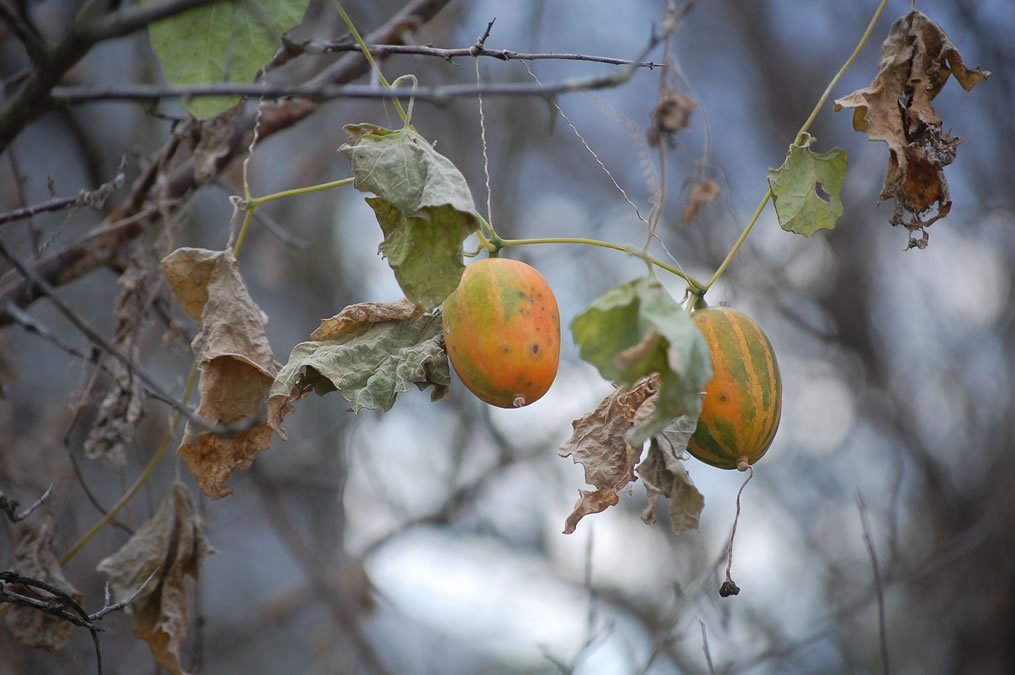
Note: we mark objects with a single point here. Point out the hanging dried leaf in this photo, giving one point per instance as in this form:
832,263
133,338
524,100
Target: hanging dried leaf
916,60
701,194
235,359
34,557
116,423
174,543
664,475
370,353
599,443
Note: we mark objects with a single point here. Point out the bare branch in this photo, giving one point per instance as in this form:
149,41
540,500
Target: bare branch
99,247
107,608
92,198
439,95
32,99
861,506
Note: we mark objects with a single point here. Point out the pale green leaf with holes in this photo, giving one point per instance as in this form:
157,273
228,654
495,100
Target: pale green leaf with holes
805,189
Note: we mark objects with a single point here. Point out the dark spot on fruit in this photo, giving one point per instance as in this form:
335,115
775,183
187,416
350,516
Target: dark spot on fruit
507,350
532,300
535,349
521,294
723,398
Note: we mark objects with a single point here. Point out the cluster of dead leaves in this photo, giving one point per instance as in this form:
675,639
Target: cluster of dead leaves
600,443
917,59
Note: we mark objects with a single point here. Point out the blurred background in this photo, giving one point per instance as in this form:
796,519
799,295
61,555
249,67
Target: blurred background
428,539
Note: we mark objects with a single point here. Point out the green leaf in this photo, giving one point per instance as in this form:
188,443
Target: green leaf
805,188
369,361
423,205
638,329
223,41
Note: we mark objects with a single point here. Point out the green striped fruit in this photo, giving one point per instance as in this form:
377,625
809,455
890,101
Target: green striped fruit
743,401
502,332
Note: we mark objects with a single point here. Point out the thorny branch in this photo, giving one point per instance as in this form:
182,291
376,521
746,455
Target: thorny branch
124,224
64,606
291,48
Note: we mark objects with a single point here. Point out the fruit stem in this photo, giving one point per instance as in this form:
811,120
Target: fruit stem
605,244
803,129
370,59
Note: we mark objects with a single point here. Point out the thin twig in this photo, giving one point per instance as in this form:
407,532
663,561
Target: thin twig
91,198
10,506
32,326
878,587
107,608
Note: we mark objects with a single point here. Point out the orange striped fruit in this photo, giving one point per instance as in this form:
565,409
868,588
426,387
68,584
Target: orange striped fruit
743,400
502,332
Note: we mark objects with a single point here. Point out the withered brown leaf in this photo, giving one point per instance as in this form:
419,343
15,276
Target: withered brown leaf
598,443
237,368
34,557
361,316
916,60
118,416
665,476
174,543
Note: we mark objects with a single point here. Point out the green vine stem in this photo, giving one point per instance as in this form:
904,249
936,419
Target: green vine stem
370,59
803,129
257,201
605,244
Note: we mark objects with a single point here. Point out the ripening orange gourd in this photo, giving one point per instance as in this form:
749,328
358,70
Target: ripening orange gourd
742,405
502,332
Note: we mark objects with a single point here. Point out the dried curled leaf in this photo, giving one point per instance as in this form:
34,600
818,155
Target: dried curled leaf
599,443
664,475
119,413
172,542
916,60
237,368
33,557
370,353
